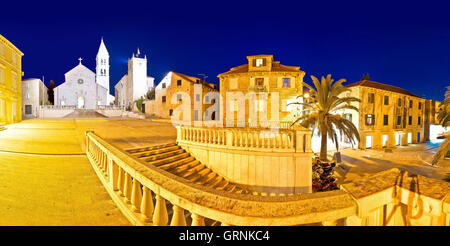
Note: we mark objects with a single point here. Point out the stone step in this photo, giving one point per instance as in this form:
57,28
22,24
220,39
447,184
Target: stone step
156,151
137,150
163,155
169,159
177,164
185,166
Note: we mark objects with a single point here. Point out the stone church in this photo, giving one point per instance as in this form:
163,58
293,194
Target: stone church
85,89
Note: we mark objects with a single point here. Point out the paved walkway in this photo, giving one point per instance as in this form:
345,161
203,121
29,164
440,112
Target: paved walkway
413,158
46,179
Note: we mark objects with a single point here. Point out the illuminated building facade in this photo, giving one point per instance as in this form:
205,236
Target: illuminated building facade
10,82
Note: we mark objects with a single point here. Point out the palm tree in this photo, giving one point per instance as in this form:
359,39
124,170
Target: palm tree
321,114
444,119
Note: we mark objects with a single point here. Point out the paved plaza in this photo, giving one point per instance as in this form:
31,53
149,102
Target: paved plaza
46,179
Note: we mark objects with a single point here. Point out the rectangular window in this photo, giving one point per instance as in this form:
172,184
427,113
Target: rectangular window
196,115
385,120
399,120
197,97
179,82
386,100
286,82
259,81
28,109
420,105
259,62
371,98
163,85
197,81
163,98
410,104
170,112
348,116
399,102
419,121
410,120
370,119
28,95
206,98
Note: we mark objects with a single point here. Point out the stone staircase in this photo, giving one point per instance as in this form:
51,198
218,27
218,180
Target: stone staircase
172,158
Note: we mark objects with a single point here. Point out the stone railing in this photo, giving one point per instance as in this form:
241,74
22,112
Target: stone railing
110,107
57,107
255,139
148,195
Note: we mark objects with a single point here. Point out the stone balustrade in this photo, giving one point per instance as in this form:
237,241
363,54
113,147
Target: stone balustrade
148,195
256,139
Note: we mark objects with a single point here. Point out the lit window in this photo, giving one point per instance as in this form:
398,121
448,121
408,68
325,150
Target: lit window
348,116
370,119
286,82
259,62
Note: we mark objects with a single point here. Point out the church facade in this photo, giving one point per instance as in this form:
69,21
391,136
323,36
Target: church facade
85,89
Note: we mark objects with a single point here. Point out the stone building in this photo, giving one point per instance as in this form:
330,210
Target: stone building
262,74
388,115
135,84
10,82
171,86
34,94
83,88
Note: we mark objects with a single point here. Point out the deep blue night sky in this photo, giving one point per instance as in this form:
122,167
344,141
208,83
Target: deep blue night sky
403,44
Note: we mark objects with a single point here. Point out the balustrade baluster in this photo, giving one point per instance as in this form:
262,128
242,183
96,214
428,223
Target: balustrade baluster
136,195
160,217
178,218
121,181
147,205
128,187
197,220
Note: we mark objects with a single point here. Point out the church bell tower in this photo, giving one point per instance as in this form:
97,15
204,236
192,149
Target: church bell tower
102,69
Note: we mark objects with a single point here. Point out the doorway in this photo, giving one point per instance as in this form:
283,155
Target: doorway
385,140
80,102
409,138
369,140
418,137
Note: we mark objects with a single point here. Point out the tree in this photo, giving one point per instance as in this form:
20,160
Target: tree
321,113
444,120
151,94
50,93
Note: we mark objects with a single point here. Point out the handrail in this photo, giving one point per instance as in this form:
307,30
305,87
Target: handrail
136,187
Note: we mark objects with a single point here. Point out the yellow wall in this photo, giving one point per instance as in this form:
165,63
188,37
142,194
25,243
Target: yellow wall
10,82
245,82
392,110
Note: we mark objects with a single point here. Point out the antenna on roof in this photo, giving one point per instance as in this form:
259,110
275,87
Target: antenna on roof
203,75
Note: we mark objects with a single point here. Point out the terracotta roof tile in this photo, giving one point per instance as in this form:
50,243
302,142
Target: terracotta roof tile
381,86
